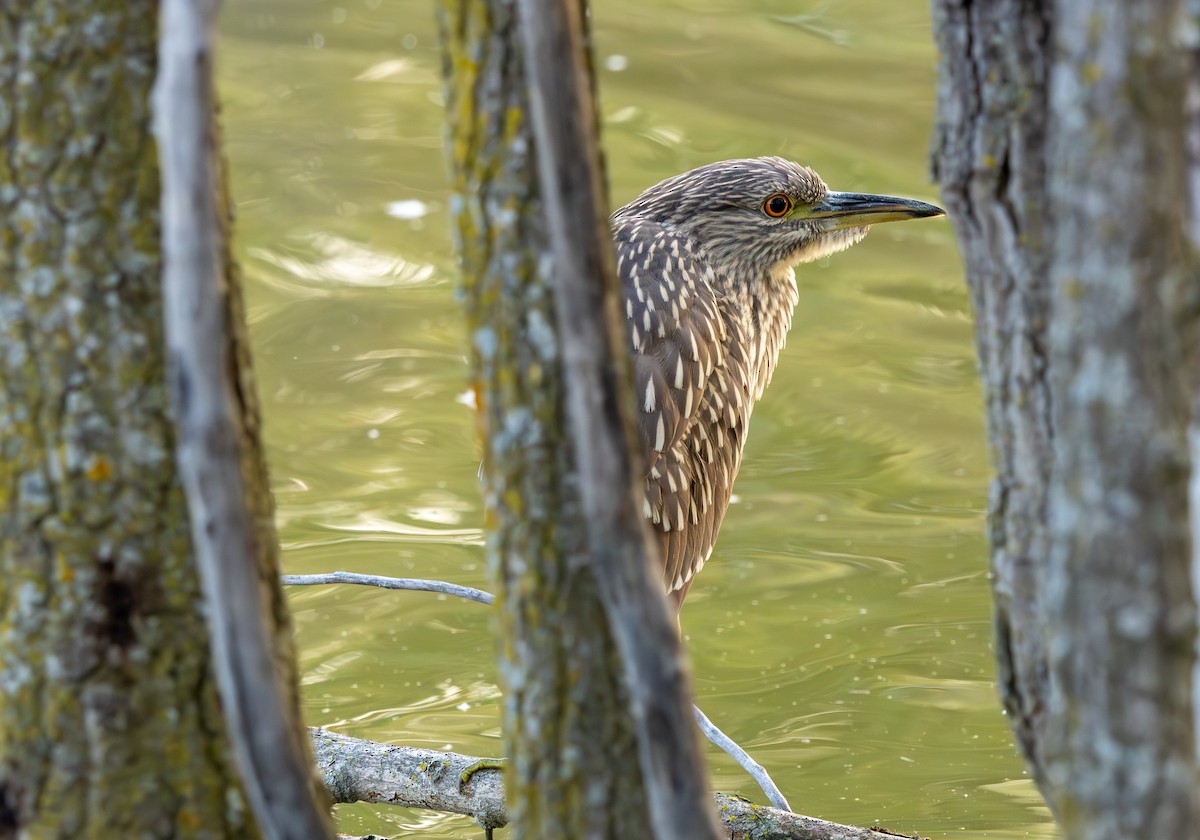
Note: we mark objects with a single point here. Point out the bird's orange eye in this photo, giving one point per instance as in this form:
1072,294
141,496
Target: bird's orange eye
777,205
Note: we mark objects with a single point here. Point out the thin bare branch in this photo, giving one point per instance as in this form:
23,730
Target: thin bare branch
757,771
417,584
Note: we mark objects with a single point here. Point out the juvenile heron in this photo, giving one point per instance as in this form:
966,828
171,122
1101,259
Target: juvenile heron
705,259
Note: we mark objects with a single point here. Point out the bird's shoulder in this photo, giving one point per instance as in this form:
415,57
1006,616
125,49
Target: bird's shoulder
691,377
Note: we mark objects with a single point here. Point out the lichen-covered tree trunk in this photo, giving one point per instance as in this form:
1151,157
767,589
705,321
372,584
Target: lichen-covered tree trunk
573,768
1062,156
109,721
591,329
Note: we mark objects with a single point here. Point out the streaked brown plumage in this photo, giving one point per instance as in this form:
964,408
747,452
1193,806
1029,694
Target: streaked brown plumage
705,259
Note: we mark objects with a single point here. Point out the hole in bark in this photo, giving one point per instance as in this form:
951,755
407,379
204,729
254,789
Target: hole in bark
1004,175
8,813
118,602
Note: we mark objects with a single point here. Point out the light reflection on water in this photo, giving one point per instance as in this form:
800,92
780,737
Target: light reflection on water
337,263
841,631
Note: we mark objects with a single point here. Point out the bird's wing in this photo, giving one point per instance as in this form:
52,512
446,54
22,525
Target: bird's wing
692,376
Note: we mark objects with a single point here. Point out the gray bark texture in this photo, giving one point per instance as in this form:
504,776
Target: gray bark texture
989,159
1062,153
1192,105
218,450
570,741
110,725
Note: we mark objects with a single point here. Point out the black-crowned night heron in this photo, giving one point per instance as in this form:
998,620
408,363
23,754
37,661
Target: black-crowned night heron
706,260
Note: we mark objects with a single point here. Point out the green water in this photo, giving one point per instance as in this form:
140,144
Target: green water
841,632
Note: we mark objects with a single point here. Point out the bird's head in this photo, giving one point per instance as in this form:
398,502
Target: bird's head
764,215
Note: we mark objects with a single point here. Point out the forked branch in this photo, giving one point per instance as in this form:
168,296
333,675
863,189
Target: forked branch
355,770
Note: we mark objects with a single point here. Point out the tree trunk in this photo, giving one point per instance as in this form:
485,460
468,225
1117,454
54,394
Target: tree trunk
109,721
1192,106
573,753
598,373
989,157
219,451
1062,156
1121,615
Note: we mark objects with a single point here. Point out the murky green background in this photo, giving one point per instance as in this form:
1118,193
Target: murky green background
841,632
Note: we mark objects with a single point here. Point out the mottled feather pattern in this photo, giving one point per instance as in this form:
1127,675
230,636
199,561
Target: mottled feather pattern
693,381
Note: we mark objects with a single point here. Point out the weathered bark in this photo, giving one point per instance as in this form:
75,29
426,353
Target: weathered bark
109,721
364,771
989,157
355,770
1192,106
571,746
599,393
219,452
1062,156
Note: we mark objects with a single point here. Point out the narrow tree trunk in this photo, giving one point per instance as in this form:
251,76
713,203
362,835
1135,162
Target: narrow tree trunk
109,721
600,413
570,740
219,451
1061,153
989,157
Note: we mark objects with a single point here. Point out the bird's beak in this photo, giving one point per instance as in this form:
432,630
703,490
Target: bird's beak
839,210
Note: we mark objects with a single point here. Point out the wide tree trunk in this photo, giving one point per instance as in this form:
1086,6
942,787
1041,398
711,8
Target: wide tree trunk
559,669
109,721
1062,156
1121,613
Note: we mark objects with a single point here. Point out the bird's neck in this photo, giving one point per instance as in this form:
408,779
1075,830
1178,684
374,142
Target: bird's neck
764,308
